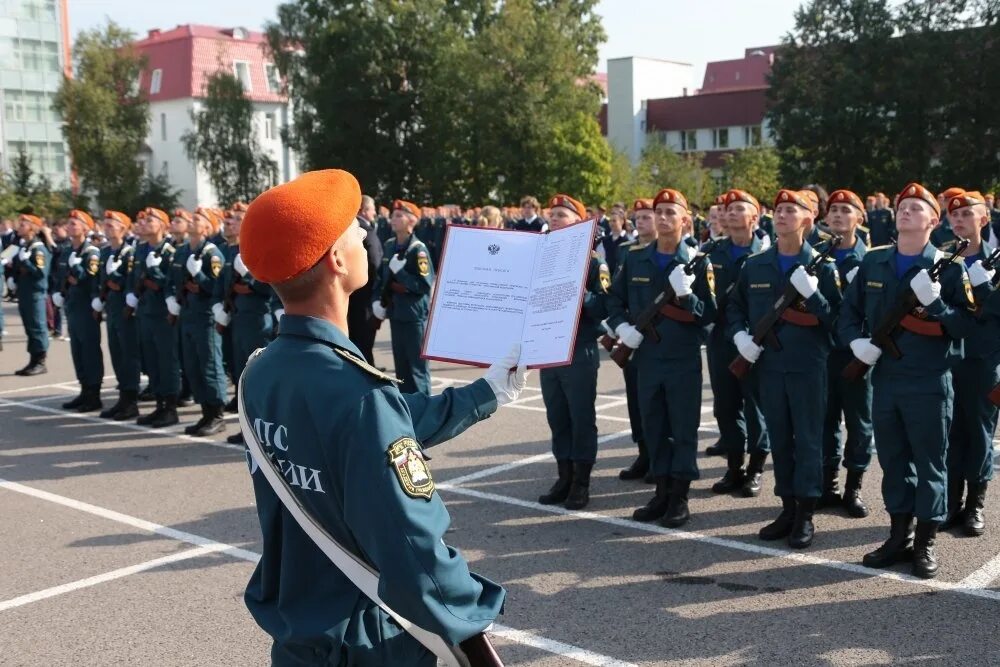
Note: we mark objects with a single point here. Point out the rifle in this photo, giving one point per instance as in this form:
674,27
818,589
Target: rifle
763,331
650,316
386,295
883,334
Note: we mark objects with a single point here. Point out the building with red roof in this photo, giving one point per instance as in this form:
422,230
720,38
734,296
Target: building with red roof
180,61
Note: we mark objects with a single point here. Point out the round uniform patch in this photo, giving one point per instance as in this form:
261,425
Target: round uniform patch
423,264
412,473
93,265
605,276
216,266
836,277
710,278
40,260
968,289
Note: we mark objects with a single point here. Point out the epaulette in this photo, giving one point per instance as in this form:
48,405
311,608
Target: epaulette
35,244
639,246
364,365
168,248
880,247
864,229
594,255
823,235
209,247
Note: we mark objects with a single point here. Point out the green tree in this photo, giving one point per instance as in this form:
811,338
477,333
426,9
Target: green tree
662,167
756,170
105,116
22,174
224,142
155,191
583,166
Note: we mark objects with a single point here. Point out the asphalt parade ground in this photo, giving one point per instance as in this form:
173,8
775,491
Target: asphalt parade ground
123,545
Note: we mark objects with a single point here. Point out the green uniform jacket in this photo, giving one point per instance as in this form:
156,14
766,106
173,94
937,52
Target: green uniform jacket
196,293
32,276
983,342
844,266
725,270
410,288
112,288
152,285
254,304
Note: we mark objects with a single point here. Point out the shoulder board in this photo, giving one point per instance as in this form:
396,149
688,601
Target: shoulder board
36,244
637,247
880,247
758,253
823,235
364,365
167,248
864,229
209,247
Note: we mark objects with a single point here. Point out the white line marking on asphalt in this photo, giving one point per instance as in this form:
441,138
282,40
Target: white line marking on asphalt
984,576
211,546
107,576
730,544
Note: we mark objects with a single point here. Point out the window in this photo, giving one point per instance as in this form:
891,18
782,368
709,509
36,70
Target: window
35,10
33,55
720,137
751,135
46,158
272,78
154,83
163,127
29,106
241,69
270,128
689,140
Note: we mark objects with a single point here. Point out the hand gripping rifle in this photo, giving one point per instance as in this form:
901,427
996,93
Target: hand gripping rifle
652,314
763,331
884,334
385,297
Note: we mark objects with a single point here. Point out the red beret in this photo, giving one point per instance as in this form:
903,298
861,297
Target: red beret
568,202
288,228
669,196
846,197
643,205
917,191
182,214
119,217
796,197
734,196
951,192
719,201
409,207
159,214
33,219
968,198
83,217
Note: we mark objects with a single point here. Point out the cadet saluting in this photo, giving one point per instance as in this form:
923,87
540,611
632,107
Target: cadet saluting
352,446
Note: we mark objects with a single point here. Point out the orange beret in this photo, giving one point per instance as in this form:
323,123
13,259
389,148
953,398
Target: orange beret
158,214
951,192
796,197
83,217
33,219
734,196
118,217
643,205
670,196
568,202
882,195
917,191
239,207
846,197
719,201
182,214
288,228
208,214
969,198
409,207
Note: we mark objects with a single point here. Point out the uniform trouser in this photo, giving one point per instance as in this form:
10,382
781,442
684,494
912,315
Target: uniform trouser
970,441
415,373
854,400
570,397
226,337
123,344
57,320
631,373
185,385
158,345
794,404
203,360
912,416
85,344
249,332
32,310
735,403
362,332
670,402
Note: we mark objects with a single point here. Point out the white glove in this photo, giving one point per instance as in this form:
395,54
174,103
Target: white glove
193,265
395,263
173,307
153,260
240,267
681,282
850,274
803,283
379,310
507,385
279,313
4,261
112,264
748,349
629,335
57,299
865,351
978,274
927,290
73,260
220,315
132,301
607,328
97,304
23,254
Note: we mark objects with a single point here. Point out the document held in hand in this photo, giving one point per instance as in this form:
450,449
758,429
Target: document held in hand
497,287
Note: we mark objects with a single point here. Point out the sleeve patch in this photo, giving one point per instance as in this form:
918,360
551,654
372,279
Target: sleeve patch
410,468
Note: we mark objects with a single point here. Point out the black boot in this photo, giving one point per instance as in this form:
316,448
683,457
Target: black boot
715,449
168,415
639,467
236,439
91,399
147,420
898,547
128,405
185,398
213,421
579,490
803,528
231,406
560,490
781,527
111,412
975,522
36,366
831,488
956,487
734,477
677,508
146,395
925,563
74,403
657,506
191,428
853,502
754,475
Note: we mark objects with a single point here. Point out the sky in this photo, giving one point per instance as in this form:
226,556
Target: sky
691,31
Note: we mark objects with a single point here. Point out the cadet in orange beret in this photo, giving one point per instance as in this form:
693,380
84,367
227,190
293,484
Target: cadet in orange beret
943,236
359,443
402,295
31,279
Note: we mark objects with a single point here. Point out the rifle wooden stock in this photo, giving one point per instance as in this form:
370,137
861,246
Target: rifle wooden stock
480,652
854,370
607,342
740,366
994,395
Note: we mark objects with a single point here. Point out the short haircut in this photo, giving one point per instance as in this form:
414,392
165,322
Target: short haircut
303,285
529,201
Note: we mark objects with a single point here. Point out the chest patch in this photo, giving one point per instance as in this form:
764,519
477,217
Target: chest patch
410,468
423,263
216,266
93,265
605,276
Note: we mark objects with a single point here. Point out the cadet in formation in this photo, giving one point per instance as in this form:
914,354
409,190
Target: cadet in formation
31,279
